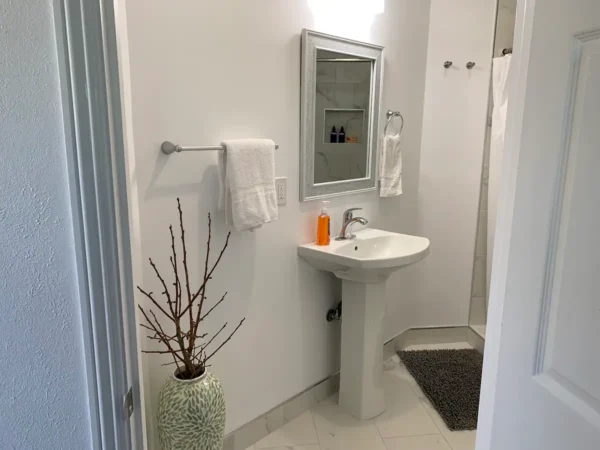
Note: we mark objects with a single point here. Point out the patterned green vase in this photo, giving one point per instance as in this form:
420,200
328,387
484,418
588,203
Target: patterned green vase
191,414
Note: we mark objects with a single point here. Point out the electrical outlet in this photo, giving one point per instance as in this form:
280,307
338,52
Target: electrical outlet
281,190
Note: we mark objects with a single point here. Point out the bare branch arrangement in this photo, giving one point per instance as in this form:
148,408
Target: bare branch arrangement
184,308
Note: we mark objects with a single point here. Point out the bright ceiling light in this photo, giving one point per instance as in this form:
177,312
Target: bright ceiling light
367,7
352,18
378,6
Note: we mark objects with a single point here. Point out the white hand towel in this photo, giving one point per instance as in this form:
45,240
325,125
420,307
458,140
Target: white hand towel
390,172
247,179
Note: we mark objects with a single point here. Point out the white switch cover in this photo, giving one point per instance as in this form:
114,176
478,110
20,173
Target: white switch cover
281,190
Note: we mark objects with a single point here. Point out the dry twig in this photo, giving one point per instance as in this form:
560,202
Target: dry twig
185,346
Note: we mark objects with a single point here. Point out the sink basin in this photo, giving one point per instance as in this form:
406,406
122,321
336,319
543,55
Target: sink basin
371,257
364,264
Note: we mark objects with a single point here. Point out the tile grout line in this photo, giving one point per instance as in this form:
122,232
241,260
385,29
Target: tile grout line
381,438
315,426
318,443
433,420
441,433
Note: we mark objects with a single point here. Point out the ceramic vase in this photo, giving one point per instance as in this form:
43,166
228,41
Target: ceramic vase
191,413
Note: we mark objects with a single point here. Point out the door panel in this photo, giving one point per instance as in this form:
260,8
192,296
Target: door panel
544,322
573,322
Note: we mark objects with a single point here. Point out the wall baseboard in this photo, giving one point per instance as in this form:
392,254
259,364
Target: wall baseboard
475,340
257,429
433,335
254,431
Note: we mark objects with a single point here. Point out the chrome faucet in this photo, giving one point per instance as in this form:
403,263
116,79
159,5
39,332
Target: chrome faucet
350,220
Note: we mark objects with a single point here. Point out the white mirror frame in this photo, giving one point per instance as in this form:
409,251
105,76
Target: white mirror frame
311,42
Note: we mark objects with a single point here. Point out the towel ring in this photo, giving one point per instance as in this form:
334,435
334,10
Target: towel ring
390,116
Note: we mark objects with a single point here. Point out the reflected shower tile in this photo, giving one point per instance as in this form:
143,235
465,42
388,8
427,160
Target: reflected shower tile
353,72
325,96
362,95
344,95
326,72
335,95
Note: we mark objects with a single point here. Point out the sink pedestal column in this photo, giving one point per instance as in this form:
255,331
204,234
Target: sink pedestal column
361,374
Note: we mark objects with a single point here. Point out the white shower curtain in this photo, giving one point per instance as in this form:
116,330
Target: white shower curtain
501,67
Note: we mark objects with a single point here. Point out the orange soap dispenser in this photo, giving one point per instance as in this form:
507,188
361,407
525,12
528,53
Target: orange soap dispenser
323,226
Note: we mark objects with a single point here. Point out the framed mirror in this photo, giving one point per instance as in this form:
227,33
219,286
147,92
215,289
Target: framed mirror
340,102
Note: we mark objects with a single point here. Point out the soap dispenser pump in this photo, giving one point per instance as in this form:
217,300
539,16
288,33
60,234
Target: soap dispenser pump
323,226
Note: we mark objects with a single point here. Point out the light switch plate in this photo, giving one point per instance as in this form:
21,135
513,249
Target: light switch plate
281,190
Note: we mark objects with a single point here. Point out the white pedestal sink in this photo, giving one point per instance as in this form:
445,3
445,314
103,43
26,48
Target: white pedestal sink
364,264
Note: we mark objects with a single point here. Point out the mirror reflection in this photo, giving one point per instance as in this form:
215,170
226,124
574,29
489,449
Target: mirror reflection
343,98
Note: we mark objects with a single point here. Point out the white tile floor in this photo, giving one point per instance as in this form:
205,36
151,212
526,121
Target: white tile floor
410,422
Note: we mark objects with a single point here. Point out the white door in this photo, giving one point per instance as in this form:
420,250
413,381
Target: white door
541,386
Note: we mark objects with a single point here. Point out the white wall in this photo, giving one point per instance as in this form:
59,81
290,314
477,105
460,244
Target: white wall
454,124
43,393
205,71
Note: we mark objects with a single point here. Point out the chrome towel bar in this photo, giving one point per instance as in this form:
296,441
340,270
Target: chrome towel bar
168,147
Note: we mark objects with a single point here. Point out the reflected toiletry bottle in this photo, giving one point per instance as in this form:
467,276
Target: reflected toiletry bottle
323,226
333,136
342,136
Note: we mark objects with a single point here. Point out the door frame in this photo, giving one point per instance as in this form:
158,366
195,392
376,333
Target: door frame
517,84
89,79
89,76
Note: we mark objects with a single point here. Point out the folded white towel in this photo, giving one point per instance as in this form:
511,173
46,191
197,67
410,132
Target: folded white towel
247,179
390,168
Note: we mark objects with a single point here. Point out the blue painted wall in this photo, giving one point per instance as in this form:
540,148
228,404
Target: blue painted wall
43,399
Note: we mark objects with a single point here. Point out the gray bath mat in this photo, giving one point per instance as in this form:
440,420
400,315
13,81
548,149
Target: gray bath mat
451,379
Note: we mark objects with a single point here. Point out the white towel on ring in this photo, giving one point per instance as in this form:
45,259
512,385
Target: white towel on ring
390,170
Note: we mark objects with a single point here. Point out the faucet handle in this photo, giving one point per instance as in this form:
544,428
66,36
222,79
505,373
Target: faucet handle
348,214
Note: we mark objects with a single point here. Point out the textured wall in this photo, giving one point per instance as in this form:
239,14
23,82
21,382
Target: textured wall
43,400
234,71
